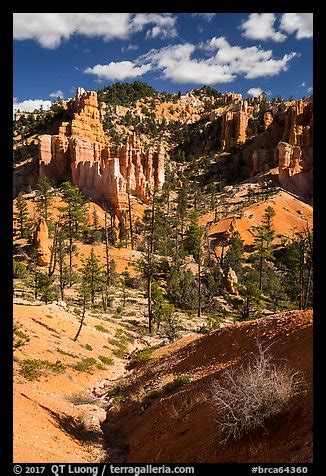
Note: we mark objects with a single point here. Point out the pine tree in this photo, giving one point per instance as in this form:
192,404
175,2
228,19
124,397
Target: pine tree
148,264
62,251
162,311
264,236
234,254
194,247
93,276
74,218
298,269
84,295
23,222
45,288
182,206
44,198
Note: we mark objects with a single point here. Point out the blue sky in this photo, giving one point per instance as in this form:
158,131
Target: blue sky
55,53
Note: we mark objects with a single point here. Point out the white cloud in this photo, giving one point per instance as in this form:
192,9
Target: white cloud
309,90
224,64
301,23
260,26
118,71
30,105
176,64
56,94
50,29
205,16
255,92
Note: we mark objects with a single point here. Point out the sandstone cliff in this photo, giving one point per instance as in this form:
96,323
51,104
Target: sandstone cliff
82,153
285,142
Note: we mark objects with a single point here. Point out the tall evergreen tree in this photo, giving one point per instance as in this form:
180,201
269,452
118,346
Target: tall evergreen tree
194,247
297,269
93,276
44,198
22,217
74,218
264,236
234,254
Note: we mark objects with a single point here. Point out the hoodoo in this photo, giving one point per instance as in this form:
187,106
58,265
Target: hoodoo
81,152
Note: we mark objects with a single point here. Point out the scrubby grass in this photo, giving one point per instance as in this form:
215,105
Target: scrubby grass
20,337
176,383
68,354
101,328
248,397
120,351
32,369
88,347
142,357
106,360
87,365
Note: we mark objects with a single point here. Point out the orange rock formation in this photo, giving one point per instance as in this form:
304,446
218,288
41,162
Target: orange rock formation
81,152
234,127
41,243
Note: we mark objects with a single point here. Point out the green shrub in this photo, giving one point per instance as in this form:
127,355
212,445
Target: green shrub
69,354
87,365
106,360
32,369
20,338
101,328
19,270
88,347
142,357
176,383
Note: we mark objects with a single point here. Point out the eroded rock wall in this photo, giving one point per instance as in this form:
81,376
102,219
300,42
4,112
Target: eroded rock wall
82,153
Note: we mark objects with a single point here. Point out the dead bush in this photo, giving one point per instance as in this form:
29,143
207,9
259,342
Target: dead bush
249,396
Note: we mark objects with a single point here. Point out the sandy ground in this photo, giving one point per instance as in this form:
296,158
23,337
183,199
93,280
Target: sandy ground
291,215
43,416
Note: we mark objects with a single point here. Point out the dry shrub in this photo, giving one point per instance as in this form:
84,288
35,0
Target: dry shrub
251,395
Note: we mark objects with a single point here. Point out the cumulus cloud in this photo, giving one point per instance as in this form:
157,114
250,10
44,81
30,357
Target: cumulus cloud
224,62
56,94
255,92
260,26
50,29
299,23
205,16
30,105
118,71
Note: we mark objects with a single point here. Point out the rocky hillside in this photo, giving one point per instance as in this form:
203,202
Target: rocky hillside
155,237
168,413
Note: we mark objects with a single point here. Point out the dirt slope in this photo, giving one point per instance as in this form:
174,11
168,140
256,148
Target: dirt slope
45,428
291,215
180,426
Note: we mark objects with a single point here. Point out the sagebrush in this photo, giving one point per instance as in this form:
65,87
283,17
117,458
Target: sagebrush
249,396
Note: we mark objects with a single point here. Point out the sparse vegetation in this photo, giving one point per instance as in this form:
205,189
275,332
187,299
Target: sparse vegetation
87,365
32,369
176,383
106,360
247,397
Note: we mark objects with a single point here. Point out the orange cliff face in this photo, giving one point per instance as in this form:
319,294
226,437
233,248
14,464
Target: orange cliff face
286,142
295,152
82,153
234,126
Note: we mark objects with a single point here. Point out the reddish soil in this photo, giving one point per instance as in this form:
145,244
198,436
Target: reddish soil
181,426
